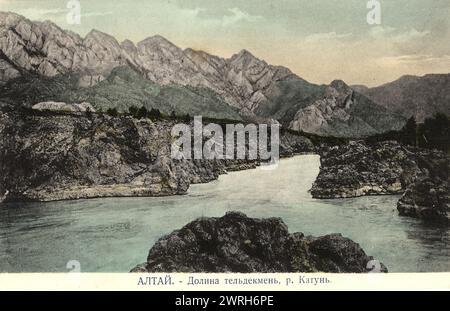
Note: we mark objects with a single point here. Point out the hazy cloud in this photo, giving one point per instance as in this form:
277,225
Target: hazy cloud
238,16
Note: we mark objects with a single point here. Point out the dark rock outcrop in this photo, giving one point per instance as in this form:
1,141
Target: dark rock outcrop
291,145
358,169
66,156
236,243
428,197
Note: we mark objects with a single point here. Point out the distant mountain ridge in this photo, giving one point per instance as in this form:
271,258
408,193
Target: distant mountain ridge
421,97
157,74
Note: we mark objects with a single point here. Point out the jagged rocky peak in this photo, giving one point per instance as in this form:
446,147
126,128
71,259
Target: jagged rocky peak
257,71
130,53
340,93
31,46
341,86
10,18
333,107
46,49
240,79
246,62
101,38
245,55
243,81
159,40
156,45
343,112
164,63
107,50
157,50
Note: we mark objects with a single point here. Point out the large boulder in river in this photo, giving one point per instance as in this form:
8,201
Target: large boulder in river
237,243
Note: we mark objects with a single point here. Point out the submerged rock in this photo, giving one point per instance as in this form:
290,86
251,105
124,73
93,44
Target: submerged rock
237,243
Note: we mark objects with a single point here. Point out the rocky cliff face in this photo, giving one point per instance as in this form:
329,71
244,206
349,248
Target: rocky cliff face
236,243
255,89
343,112
420,97
73,156
317,117
44,48
358,169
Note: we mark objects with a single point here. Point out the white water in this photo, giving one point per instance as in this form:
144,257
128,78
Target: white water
113,235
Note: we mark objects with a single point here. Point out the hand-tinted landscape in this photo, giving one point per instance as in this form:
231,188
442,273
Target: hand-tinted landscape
364,176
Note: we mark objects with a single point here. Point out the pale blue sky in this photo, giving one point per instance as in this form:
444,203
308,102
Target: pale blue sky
320,40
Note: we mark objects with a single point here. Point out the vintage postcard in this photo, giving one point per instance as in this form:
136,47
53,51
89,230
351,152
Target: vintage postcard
206,145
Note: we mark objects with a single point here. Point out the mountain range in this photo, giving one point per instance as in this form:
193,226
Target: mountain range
421,97
39,61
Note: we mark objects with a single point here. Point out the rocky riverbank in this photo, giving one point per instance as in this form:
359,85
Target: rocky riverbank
358,169
66,156
237,243
428,197
48,156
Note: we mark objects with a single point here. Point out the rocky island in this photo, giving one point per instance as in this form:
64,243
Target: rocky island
237,243
359,168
